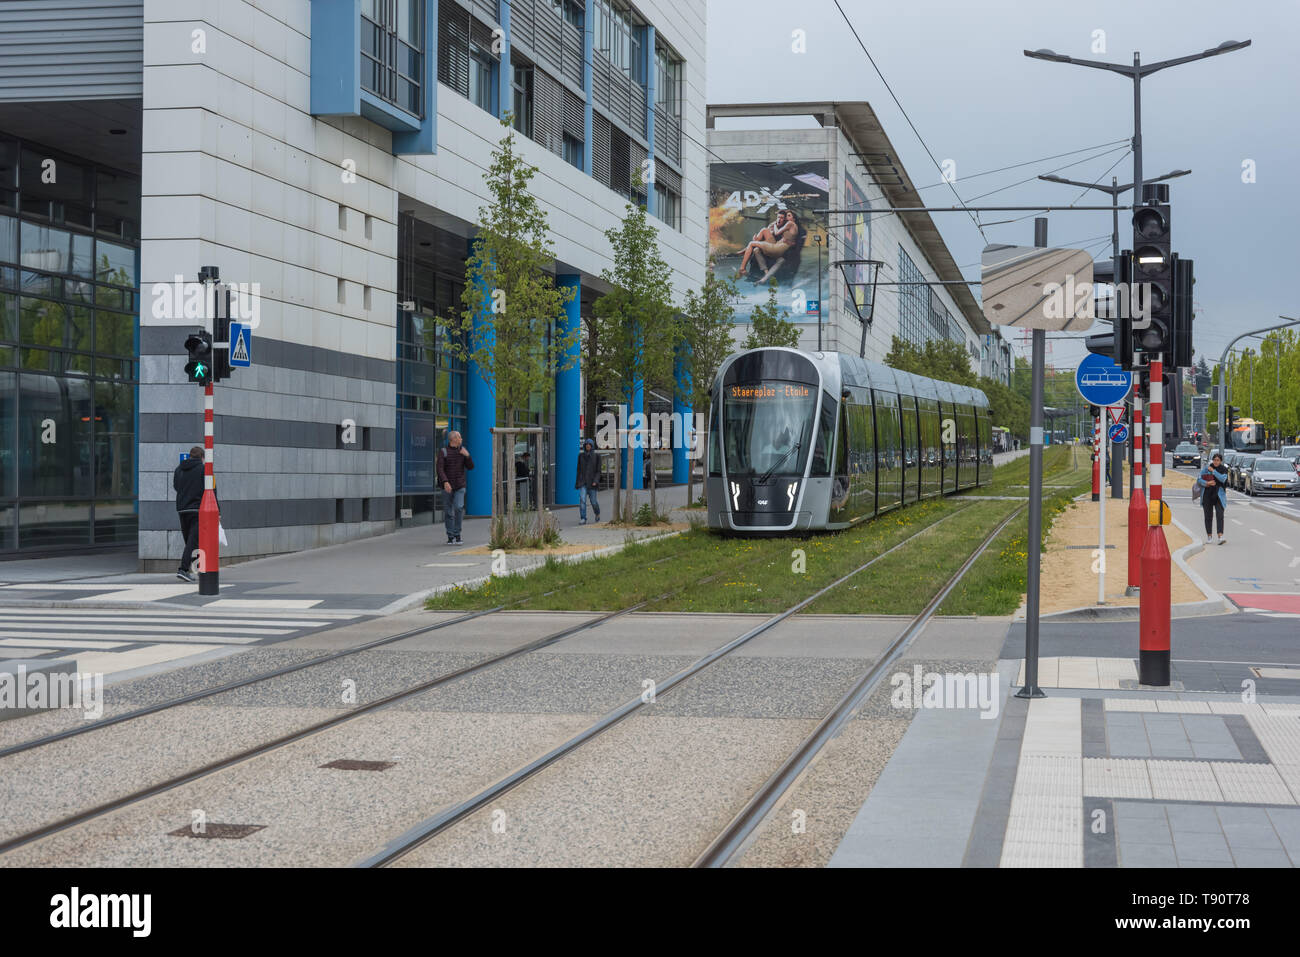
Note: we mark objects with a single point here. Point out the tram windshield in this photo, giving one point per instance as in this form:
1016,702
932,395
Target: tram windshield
767,427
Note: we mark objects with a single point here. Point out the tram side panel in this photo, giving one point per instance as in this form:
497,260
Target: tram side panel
911,450
931,432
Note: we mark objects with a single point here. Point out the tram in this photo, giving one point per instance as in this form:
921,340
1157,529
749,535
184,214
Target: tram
803,441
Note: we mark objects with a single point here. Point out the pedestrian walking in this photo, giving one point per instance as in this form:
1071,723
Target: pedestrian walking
588,481
187,480
453,462
1213,484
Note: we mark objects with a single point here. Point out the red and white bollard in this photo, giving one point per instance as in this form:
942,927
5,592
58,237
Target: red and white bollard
1137,506
209,516
1154,610
1096,458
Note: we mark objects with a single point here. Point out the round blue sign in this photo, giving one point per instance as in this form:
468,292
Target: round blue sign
1118,432
1101,382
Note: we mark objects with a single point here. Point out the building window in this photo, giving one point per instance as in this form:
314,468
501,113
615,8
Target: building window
573,13
668,206
573,151
480,78
392,52
612,30
913,301
668,82
523,99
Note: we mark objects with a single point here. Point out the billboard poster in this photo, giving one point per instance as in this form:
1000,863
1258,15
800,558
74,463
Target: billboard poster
418,445
763,227
857,238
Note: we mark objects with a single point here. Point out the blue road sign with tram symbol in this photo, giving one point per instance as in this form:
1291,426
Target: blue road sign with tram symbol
1101,382
1118,432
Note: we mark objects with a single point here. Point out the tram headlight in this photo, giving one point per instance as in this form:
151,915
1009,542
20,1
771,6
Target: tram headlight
735,496
790,491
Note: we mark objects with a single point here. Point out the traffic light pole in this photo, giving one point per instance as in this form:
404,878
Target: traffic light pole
209,516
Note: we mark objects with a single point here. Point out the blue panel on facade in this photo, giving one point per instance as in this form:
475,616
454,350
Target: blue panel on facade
336,58
336,64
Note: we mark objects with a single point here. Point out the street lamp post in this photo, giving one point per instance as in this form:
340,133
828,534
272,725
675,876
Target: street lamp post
1136,71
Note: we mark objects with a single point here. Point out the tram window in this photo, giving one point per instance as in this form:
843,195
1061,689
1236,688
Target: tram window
821,463
715,444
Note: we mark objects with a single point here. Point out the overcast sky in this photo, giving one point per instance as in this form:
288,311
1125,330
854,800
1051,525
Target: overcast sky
958,70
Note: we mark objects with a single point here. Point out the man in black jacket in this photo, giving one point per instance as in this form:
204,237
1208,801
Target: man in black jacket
453,463
187,480
588,481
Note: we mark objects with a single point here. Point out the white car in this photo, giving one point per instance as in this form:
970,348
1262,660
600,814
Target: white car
1273,475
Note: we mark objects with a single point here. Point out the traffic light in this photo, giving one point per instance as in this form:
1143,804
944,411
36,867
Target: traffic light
199,347
1231,424
221,327
1153,268
1118,343
1180,349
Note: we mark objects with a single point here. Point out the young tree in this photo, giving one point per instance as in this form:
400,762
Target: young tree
635,325
707,330
521,342
770,327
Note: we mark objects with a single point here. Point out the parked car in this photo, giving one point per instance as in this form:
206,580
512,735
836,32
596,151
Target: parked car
1273,475
1186,454
1291,452
1244,465
1230,466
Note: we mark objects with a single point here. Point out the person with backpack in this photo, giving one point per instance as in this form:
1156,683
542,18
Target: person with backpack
588,481
1212,484
453,463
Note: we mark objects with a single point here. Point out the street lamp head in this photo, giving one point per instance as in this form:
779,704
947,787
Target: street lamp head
1045,54
1052,179
1227,46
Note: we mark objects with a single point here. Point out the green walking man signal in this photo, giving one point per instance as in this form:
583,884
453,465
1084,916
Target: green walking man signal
199,347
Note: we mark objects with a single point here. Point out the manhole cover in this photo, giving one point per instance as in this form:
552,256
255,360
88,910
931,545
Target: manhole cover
225,832
347,764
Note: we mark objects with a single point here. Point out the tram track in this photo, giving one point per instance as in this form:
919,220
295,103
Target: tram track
85,816
141,794
429,829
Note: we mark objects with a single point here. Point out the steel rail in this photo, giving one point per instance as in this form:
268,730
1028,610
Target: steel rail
275,673
725,846
239,757
406,842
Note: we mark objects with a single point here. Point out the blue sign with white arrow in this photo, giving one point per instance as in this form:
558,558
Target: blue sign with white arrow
1101,382
241,344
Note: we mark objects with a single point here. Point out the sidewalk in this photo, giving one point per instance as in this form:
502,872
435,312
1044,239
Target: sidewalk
379,575
1103,772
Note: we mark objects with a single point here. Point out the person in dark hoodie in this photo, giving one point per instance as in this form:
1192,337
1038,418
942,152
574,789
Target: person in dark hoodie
187,480
588,481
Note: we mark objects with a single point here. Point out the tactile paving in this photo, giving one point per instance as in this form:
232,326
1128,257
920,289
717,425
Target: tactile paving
1183,707
1183,781
1251,783
1116,778
1130,704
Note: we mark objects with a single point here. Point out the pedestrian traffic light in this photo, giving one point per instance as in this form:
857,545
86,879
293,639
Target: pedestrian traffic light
1153,268
1180,350
199,347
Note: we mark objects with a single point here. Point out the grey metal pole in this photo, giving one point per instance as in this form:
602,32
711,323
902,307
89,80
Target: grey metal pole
1137,128
1031,689
819,294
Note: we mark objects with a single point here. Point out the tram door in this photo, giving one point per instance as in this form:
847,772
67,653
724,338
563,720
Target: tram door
911,450
889,451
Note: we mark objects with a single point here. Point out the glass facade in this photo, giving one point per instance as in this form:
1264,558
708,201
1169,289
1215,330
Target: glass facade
392,52
913,301
69,309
